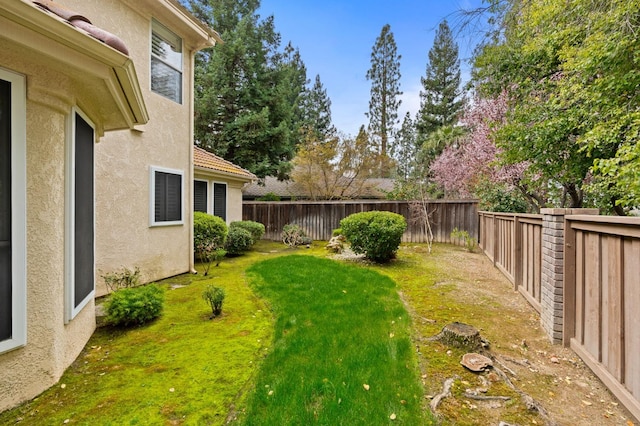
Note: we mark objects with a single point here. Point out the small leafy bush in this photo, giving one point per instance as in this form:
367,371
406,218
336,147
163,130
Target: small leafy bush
293,235
256,229
239,240
269,196
336,232
209,236
126,278
135,306
215,297
375,234
469,242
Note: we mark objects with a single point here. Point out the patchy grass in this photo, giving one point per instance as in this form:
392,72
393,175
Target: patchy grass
182,368
342,350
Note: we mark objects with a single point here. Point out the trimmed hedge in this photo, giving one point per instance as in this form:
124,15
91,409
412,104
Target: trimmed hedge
135,306
239,240
256,229
208,231
375,234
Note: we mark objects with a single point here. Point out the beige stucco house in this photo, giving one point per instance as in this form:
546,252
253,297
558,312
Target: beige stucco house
96,131
218,185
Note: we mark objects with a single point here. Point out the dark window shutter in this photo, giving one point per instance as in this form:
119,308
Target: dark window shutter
200,189
168,197
6,314
84,211
220,200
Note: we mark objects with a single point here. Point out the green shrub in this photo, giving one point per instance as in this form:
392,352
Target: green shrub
238,241
469,242
293,235
269,196
122,279
377,235
209,236
336,232
215,296
256,229
134,306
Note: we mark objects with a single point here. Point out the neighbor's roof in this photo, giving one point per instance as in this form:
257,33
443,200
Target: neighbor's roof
204,159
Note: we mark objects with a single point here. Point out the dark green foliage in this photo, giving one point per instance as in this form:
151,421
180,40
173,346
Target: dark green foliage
215,297
135,306
440,103
269,196
239,240
316,112
293,235
336,232
500,198
256,229
375,234
384,75
247,90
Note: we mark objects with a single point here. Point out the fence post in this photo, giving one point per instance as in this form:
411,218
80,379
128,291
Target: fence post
551,314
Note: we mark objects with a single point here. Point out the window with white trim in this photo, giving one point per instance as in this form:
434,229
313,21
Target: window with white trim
166,62
80,214
166,196
13,227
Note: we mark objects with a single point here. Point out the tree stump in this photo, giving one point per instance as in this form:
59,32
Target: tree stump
461,335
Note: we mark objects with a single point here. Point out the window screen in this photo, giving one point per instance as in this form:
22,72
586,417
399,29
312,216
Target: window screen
200,189
168,197
220,200
6,313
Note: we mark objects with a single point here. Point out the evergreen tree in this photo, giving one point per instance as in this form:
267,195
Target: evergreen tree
384,75
247,90
406,148
440,97
316,111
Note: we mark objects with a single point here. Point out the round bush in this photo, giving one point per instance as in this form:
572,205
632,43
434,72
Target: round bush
377,235
256,229
134,306
209,232
238,241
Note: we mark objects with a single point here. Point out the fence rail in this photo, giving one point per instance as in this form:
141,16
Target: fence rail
320,218
514,243
602,295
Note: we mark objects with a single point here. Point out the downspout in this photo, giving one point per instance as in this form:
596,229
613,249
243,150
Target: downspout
192,55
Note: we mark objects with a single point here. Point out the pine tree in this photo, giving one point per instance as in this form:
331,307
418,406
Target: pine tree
316,111
247,89
440,97
384,75
406,148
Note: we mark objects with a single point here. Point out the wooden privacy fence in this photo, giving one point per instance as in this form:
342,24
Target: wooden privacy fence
514,243
320,218
582,273
602,299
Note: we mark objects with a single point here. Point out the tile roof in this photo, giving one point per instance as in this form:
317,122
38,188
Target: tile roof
83,23
207,160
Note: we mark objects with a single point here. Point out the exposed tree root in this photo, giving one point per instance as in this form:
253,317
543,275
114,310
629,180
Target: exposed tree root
486,397
446,391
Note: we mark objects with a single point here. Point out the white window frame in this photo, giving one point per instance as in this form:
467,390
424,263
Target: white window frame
70,310
165,33
152,196
18,210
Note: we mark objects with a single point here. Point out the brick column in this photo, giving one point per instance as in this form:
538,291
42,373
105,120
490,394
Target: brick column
553,269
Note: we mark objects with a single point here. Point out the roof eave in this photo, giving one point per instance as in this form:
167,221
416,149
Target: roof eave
208,171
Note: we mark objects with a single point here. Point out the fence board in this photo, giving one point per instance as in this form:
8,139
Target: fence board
320,218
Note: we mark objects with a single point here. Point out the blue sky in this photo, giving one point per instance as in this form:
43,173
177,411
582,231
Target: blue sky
335,38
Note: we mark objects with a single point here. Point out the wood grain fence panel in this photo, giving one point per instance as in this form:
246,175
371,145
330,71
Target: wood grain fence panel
579,287
611,298
631,305
592,296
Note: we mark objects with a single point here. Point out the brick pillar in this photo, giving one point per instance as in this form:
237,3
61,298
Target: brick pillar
553,269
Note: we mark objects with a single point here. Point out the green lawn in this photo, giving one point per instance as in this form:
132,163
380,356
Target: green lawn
299,338
342,349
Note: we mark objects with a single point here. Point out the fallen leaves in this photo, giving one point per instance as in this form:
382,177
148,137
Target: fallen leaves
366,386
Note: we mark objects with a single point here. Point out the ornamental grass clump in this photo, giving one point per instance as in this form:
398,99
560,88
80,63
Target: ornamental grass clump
375,234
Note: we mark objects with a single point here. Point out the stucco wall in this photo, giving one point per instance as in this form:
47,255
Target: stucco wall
51,345
123,160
